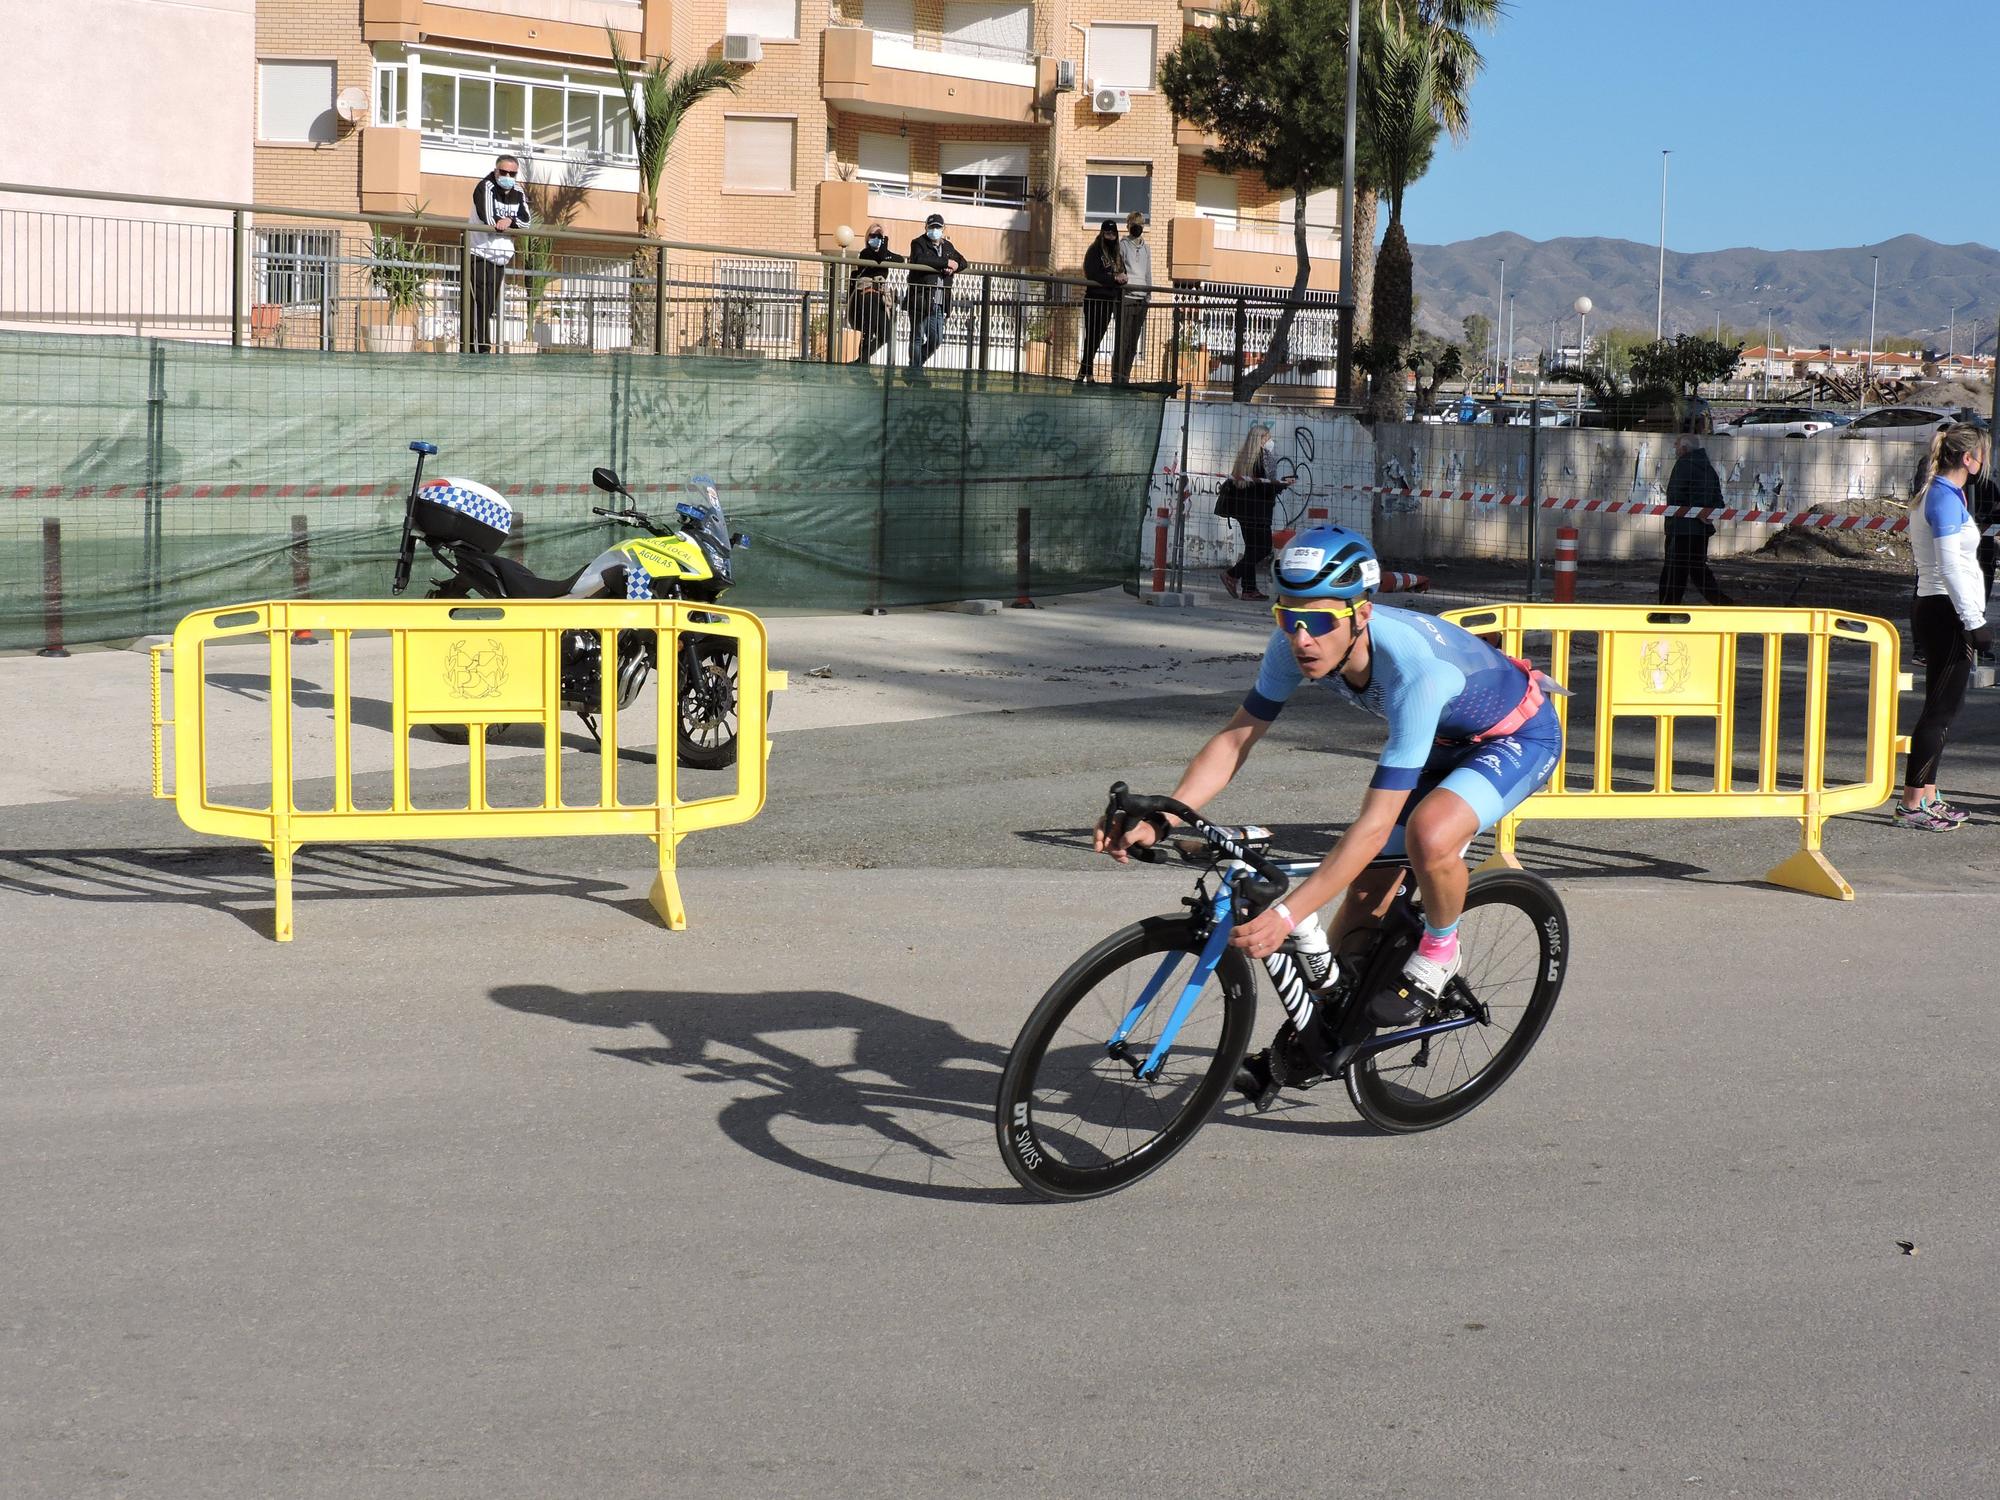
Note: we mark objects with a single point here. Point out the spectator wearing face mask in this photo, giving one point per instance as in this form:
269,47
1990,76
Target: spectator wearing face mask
934,261
499,203
1137,256
1104,269
871,307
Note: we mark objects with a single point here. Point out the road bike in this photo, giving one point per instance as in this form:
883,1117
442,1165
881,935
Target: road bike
1135,1047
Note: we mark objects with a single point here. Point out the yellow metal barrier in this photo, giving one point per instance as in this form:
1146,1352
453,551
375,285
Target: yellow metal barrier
1668,664
477,664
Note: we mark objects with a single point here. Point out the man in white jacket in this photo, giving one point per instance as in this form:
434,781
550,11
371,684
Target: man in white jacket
500,203
1138,258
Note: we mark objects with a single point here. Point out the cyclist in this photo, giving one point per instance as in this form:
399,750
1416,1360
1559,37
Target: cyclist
1471,735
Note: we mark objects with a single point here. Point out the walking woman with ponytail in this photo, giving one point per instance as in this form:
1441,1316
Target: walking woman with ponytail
1949,621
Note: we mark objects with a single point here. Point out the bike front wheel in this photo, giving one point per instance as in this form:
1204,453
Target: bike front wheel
1515,940
1073,1117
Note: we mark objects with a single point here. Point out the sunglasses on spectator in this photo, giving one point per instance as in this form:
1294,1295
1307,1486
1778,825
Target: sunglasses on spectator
1314,622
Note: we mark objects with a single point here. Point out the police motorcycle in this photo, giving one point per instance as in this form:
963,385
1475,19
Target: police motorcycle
464,524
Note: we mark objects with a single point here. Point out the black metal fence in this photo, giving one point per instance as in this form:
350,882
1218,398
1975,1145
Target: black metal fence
276,277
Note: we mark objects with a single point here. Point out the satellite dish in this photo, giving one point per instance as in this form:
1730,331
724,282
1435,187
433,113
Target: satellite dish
352,104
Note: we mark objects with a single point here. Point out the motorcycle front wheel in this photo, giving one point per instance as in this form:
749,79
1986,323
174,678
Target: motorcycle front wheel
707,715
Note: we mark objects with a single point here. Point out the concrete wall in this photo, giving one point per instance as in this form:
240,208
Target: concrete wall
167,107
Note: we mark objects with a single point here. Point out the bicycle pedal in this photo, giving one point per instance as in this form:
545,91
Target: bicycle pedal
1256,1082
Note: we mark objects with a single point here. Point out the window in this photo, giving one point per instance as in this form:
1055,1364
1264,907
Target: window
766,18
1121,56
1113,189
982,172
292,263
1215,197
757,154
884,159
1322,211
389,94
990,28
562,112
295,102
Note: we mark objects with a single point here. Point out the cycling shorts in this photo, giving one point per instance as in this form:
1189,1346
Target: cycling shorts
1493,777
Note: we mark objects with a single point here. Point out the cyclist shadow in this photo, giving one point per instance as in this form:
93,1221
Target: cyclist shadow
825,1083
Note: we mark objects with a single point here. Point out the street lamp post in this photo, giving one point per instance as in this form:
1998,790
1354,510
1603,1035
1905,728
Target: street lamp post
1951,332
1582,306
1874,284
1507,368
1660,295
1767,354
1499,312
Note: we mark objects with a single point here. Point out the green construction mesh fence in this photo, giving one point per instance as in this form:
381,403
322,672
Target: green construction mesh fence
147,478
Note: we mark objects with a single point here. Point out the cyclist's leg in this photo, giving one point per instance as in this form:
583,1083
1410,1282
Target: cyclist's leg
1486,782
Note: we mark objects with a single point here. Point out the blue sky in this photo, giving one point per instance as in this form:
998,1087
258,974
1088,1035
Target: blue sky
1793,127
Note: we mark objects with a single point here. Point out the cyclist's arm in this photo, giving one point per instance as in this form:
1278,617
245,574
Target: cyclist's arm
1214,765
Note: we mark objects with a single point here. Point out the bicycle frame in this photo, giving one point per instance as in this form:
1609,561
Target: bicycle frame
1283,967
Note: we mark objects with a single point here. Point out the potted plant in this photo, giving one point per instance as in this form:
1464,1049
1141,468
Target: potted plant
400,276
1191,355
1035,343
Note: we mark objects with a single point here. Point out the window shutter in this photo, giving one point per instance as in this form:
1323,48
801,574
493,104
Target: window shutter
1121,56
982,26
773,18
757,153
295,102
896,18
884,158
981,159
1215,197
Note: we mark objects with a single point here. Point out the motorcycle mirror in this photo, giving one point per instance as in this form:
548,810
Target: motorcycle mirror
607,480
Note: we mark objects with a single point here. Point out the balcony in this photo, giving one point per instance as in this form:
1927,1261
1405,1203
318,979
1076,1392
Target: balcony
1248,252
928,77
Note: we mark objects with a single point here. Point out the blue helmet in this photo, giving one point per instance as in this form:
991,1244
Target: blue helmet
1328,562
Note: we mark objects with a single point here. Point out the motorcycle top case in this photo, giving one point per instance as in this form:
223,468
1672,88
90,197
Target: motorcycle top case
463,510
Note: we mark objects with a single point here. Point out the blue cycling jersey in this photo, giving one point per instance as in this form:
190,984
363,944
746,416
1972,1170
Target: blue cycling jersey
1432,680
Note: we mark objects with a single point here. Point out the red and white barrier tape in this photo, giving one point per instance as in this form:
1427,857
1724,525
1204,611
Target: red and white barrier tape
1579,506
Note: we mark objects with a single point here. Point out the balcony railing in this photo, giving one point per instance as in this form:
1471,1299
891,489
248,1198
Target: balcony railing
932,52
1274,236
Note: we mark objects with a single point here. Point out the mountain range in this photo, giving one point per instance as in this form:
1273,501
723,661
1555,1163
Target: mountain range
1812,296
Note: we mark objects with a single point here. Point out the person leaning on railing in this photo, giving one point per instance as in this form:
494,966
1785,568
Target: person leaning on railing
500,205
869,305
1948,622
1104,269
934,261
1137,256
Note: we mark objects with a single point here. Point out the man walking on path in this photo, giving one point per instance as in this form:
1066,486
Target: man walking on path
498,203
1138,258
1692,483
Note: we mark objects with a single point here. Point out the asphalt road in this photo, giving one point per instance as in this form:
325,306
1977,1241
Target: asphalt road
488,1186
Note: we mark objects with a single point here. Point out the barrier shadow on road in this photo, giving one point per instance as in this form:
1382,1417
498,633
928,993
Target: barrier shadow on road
236,879
825,1083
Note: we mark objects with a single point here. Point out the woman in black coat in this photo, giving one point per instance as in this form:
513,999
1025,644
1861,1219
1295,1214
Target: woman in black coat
1257,487
871,304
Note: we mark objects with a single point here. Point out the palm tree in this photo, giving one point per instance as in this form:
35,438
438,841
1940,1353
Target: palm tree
1402,132
658,99
1447,25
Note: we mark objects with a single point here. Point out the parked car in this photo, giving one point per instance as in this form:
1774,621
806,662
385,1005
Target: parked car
1776,421
1902,424
1513,414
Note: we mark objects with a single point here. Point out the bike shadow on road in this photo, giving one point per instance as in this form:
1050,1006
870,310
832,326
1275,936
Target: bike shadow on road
826,1083
235,879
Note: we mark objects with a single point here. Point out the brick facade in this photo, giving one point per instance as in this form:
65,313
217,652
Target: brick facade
1063,134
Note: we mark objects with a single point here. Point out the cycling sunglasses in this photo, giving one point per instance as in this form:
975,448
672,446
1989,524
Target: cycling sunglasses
1314,622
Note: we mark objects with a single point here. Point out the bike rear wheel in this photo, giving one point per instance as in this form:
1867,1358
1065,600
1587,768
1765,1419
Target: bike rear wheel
1075,1121
1515,940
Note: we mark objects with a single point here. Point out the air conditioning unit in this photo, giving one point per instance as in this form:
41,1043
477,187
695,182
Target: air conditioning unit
1107,100
741,47
1065,75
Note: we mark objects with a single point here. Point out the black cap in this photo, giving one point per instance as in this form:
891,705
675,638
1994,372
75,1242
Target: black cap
935,221
1110,224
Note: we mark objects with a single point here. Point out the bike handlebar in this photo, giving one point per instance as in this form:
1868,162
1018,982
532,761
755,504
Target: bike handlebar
1269,884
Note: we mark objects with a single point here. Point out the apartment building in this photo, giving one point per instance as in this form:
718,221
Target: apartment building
1023,122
